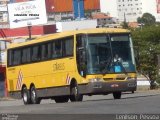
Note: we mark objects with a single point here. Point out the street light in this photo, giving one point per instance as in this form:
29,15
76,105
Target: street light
29,29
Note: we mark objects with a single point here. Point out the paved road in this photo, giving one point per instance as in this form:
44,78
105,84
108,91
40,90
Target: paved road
137,103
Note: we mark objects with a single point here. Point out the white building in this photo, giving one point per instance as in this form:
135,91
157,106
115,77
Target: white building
3,13
3,10
130,9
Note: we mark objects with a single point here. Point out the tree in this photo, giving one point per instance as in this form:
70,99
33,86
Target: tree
147,46
125,25
147,19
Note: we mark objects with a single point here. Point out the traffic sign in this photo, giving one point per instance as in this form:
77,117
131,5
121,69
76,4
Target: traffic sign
27,13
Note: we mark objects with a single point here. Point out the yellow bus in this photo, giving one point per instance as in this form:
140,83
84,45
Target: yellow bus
65,66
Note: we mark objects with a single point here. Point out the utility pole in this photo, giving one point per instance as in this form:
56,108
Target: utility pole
125,25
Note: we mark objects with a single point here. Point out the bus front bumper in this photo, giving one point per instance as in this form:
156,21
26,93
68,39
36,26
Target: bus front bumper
109,87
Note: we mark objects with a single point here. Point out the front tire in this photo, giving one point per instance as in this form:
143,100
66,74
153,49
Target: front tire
34,98
117,95
26,96
75,95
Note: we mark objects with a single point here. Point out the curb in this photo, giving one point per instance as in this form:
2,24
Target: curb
143,88
148,90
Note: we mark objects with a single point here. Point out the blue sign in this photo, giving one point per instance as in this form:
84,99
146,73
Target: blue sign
78,7
117,68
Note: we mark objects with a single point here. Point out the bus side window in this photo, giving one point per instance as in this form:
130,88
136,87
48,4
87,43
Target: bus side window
53,50
26,55
36,53
49,49
46,51
17,57
58,48
68,47
10,57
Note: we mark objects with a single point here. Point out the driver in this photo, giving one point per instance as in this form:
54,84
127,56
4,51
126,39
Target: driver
117,58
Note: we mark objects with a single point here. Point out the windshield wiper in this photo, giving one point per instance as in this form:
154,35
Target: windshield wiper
106,65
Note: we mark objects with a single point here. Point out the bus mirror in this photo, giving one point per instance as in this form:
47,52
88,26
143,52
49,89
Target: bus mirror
84,73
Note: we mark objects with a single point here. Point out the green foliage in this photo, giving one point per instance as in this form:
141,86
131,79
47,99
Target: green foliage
125,25
147,46
158,79
147,19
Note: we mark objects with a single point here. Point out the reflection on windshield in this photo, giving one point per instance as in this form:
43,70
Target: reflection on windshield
109,54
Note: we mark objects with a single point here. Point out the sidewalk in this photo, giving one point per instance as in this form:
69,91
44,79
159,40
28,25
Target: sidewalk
6,99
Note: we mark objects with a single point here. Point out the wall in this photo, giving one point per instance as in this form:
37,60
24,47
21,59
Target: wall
2,81
75,25
67,5
91,4
36,30
59,5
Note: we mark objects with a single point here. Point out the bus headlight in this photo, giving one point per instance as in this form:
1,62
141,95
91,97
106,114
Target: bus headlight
95,79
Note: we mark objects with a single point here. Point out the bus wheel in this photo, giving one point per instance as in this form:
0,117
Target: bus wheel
117,95
34,98
75,96
61,99
26,96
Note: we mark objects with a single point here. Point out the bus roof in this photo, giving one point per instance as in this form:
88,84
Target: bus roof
69,33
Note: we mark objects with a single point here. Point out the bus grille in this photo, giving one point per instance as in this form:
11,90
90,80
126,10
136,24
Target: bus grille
108,79
120,78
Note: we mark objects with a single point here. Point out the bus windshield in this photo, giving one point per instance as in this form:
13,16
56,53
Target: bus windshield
109,54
